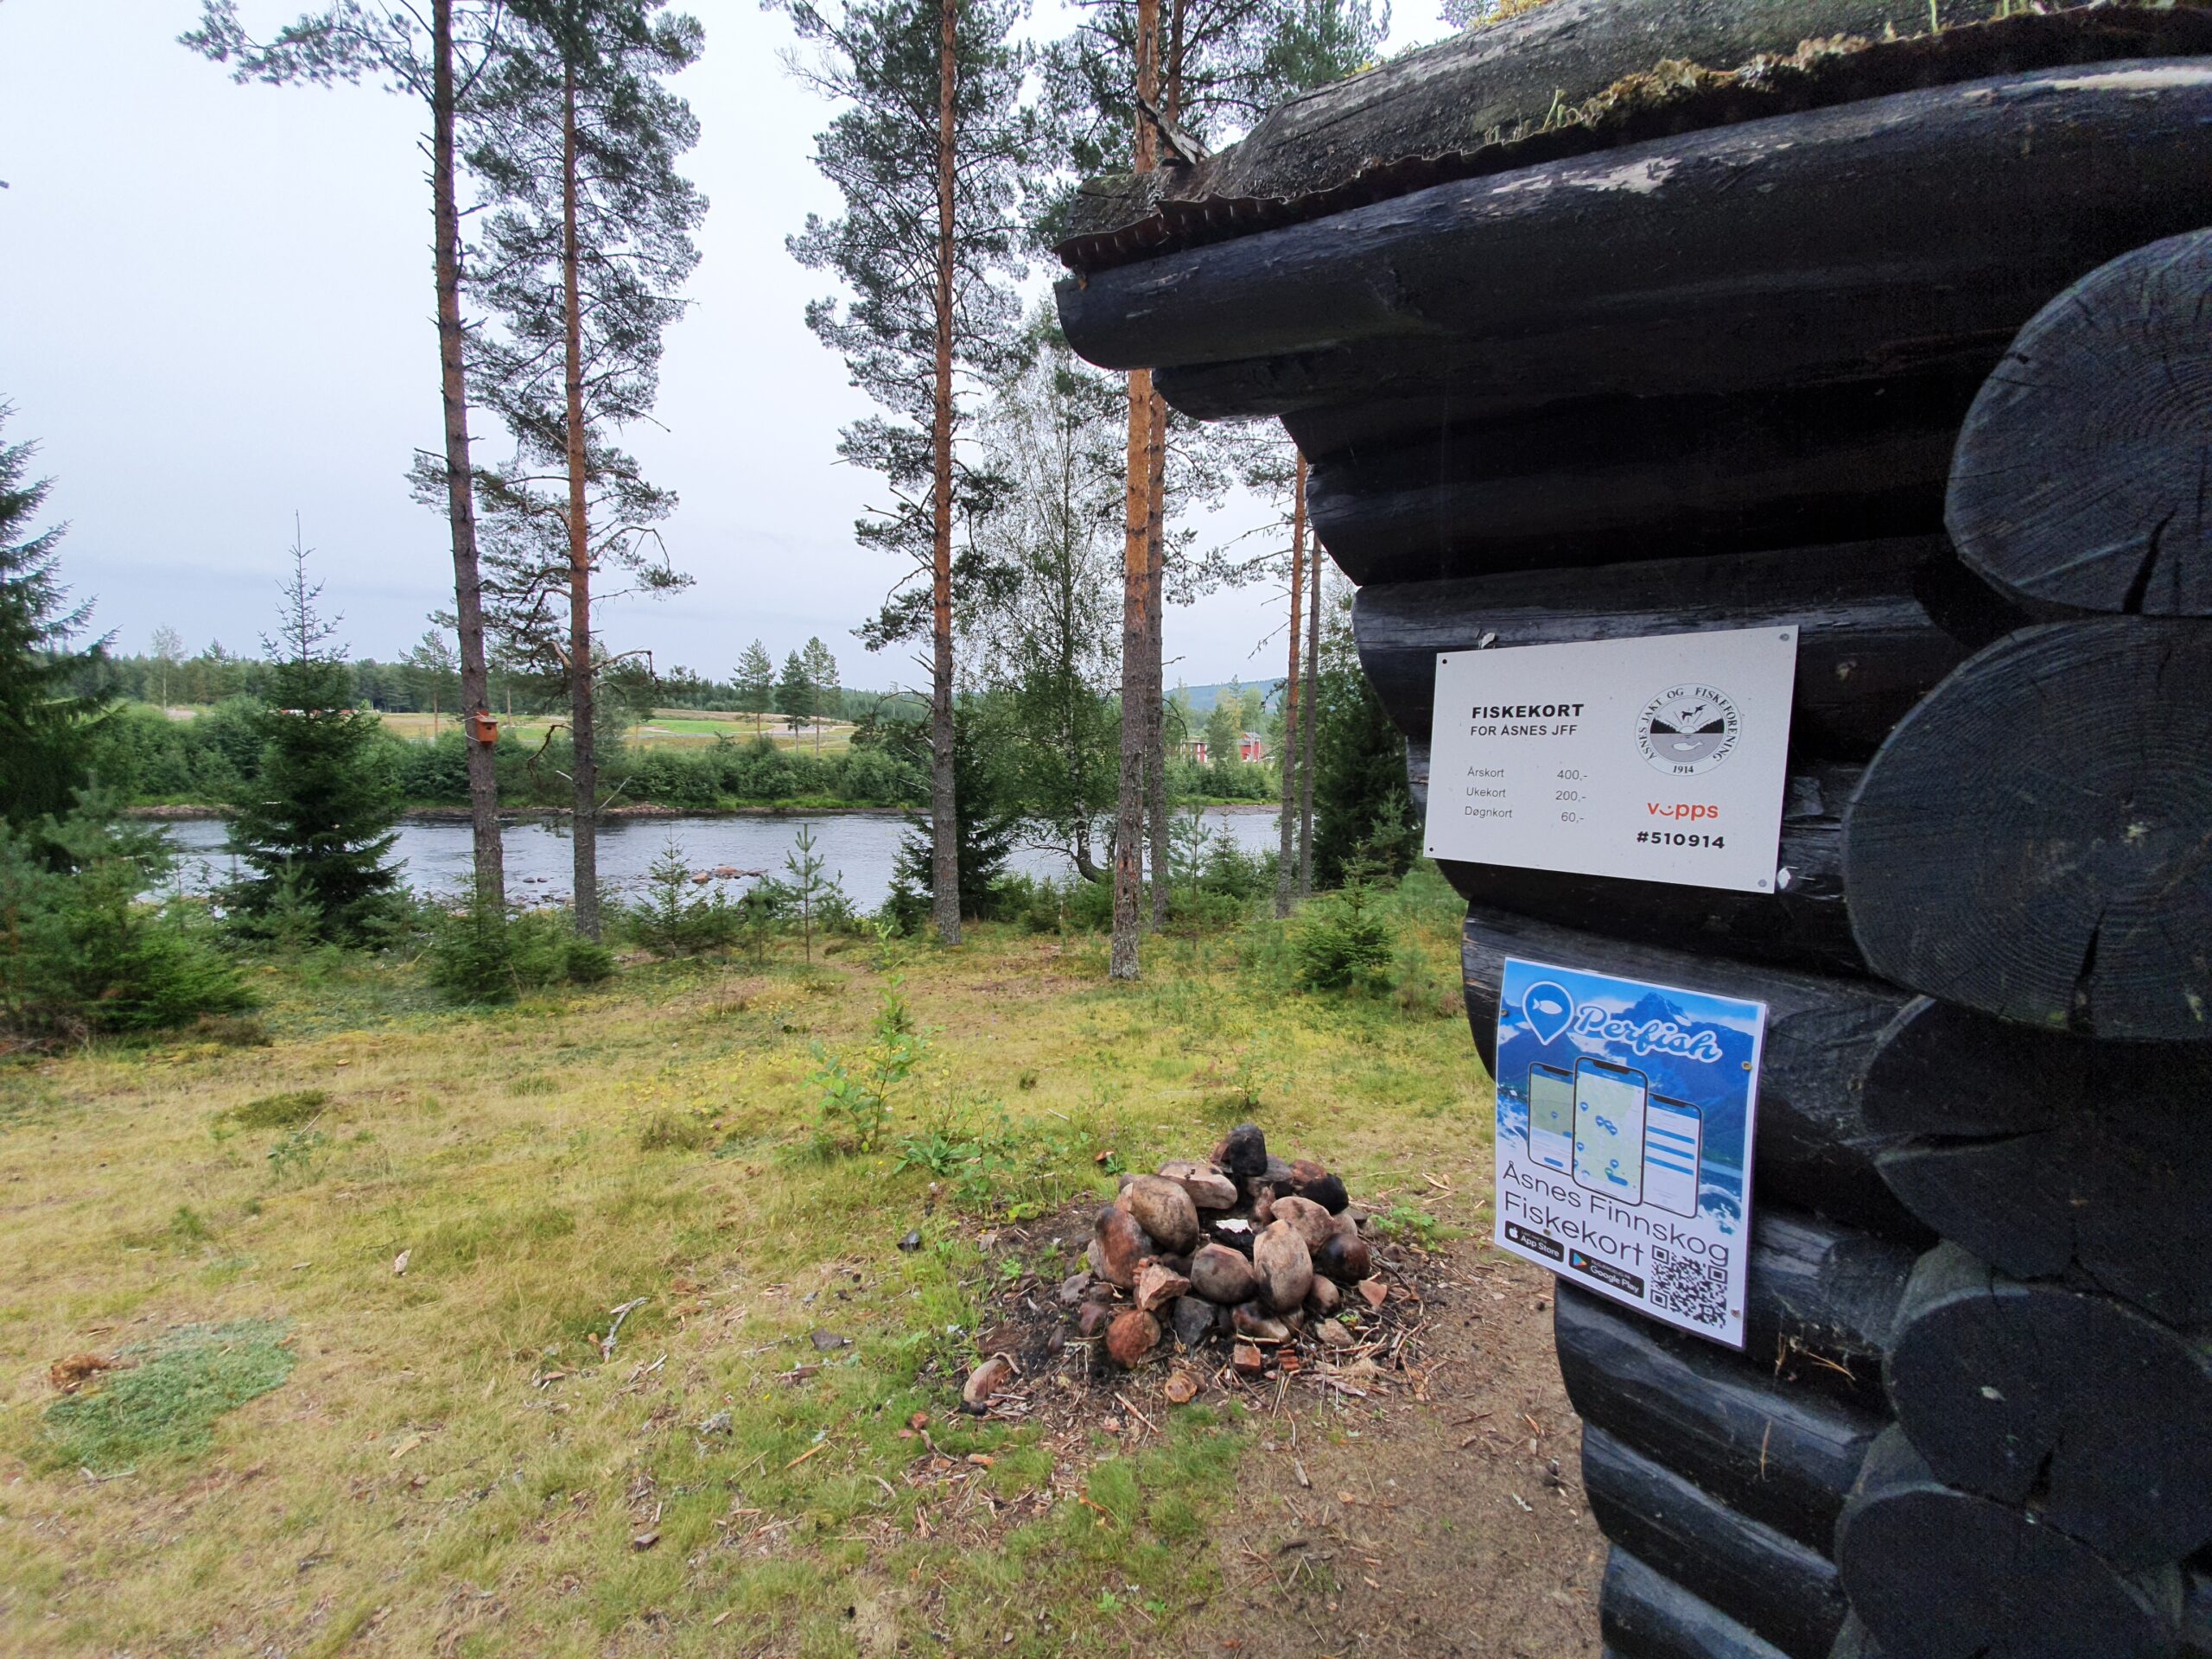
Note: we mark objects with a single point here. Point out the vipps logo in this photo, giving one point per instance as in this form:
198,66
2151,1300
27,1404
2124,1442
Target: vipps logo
1687,729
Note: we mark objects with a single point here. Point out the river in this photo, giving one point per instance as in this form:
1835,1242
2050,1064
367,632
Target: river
858,848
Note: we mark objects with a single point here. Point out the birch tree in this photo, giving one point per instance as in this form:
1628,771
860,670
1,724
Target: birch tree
1043,631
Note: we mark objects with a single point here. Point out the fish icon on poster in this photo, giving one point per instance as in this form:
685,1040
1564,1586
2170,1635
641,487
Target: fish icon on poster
1625,1114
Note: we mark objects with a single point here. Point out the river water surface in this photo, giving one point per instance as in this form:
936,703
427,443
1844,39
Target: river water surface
858,848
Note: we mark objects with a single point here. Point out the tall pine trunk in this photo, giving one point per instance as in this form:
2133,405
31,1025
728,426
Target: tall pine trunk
1156,712
490,857
1170,95
1136,593
944,825
1311,724
1287,857
1129,817
585,831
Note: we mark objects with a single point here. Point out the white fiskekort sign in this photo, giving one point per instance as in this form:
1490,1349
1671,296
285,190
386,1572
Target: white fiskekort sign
1659,759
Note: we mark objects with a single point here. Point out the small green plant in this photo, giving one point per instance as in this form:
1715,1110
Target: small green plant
817,900
586,962
997,1169
858,1094
1246,1074
678,918
936,1149
166,1395
1405,1223
296,1155
289,921
481,954
759,919
289,1110
1342,941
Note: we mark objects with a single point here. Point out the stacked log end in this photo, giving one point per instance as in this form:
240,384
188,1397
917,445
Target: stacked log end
1929,375
1989,998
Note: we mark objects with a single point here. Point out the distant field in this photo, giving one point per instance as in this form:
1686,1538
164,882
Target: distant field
669,729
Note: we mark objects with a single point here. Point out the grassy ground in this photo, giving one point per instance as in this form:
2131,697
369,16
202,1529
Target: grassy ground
314,1452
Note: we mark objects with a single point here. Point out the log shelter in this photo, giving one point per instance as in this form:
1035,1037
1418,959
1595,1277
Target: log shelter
1890,320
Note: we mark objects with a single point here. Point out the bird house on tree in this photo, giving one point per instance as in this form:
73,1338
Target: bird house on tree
1885,323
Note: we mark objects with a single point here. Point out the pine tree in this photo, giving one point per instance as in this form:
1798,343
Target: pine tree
45,727
315,826
821,685
755,682
439,62
795,693
1225,725
586,250
932,155
1363,815
985,833
804,885
431,669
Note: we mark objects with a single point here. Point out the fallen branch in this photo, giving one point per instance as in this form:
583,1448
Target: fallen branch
606,1342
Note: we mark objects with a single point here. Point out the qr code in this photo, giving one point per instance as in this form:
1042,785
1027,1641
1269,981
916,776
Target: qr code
1696,1290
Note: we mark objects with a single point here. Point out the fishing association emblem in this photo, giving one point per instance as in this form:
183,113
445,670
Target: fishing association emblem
1687,729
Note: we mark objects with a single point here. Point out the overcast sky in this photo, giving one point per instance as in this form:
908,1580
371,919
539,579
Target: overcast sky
215,312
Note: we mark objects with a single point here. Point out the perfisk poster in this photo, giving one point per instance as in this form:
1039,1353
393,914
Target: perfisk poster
1624,1124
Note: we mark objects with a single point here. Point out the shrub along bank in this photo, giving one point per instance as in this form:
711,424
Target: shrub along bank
147,758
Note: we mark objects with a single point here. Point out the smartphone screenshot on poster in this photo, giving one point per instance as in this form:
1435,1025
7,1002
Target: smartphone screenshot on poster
1625,1113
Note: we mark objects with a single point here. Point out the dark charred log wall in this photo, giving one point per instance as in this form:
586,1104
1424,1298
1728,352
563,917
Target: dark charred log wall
1929,376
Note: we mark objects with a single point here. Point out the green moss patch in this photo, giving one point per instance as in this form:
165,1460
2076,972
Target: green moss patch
164,1399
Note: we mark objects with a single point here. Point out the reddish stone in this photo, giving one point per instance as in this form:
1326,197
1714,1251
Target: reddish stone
1131,1337
1285,1264
1314,1224
1220,1274
1254,1322
1156,1287
986,1380
1123,1247
1209,1188
1164,1210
